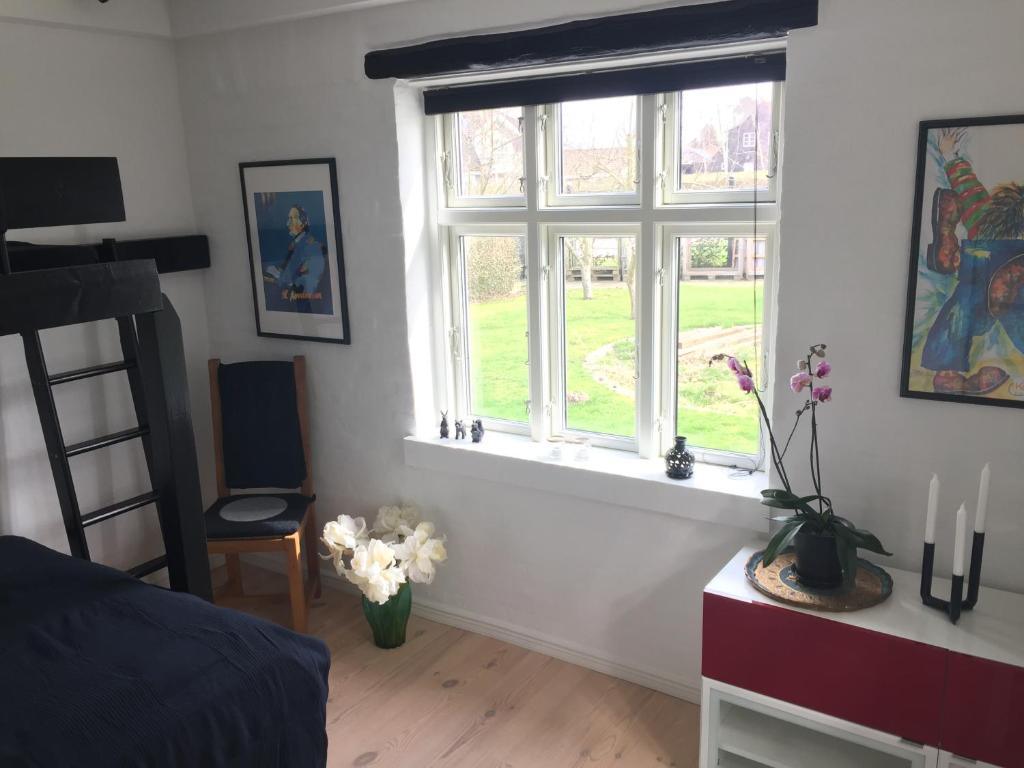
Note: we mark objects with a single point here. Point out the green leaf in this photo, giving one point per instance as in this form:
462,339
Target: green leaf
780,541
786,519
780,498
777,493
870,542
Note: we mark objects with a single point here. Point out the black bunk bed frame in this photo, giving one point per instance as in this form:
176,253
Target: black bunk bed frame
37,192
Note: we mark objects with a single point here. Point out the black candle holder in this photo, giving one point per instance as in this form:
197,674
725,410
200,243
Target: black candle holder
956,603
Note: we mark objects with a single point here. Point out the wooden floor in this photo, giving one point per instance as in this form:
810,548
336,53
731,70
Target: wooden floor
454,698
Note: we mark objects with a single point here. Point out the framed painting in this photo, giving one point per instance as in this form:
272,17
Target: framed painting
295,253
964,336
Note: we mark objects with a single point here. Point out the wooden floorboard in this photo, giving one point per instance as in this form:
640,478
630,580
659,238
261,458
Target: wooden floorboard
455,699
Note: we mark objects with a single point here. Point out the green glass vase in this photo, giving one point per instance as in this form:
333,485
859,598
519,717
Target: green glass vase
388,621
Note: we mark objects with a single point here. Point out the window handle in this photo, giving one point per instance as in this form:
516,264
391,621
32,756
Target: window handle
773,159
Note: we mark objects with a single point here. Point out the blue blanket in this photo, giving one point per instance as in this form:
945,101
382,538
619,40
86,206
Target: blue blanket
99,669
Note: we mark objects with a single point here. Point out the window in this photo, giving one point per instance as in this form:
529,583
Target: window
598,253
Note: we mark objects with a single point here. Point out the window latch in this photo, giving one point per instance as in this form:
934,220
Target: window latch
446,170
663,112
522,184
773,161
659,275
542,121
454,339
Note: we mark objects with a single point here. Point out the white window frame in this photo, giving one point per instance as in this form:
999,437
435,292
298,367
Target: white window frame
671,196
552,175
458,334
449,171
655,221
766,229
556,325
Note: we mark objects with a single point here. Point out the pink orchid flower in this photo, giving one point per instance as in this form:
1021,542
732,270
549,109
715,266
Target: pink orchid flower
799,380
823,369
746,383
821,394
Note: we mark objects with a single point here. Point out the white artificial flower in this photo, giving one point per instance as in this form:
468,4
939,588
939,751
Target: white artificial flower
395,522
373,569
342,536
418,553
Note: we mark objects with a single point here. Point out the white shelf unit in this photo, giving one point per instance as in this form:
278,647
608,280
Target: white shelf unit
741,729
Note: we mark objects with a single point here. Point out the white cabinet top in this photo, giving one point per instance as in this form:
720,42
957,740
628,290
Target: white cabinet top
993,630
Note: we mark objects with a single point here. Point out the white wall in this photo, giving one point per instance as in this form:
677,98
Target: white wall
70,91
621,584
857,86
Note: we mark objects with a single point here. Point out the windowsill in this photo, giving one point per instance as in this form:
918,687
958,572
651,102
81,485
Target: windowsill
715,494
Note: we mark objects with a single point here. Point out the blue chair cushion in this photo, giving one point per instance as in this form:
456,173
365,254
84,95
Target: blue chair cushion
284,523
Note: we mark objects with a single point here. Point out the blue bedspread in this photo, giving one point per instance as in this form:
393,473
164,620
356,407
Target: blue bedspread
99,669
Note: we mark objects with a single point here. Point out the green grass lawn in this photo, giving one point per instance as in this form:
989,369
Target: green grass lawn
713,413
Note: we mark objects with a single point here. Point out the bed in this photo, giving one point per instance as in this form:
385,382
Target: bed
100,669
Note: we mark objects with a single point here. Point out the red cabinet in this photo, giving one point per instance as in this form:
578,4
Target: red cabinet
900,668
983,715
876,680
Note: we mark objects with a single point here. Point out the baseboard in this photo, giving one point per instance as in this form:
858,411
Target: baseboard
516,635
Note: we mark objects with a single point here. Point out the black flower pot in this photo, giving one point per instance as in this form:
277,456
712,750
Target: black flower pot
817,560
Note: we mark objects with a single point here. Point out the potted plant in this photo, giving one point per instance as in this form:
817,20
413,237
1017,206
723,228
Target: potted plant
382,562
825,544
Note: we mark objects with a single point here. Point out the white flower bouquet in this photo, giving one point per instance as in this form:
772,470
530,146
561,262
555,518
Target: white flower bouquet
398,549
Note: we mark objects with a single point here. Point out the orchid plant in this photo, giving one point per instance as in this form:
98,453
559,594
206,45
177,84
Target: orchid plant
812,513
399,548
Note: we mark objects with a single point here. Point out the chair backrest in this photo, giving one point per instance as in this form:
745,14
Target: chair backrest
260,425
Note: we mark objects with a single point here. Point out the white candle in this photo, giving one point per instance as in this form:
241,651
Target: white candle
979,523
933,505
960,545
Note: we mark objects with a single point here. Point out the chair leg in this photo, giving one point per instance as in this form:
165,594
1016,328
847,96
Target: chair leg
296,590
312,550
234,564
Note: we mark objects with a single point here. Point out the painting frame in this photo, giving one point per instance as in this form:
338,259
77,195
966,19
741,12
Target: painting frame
304,311
911,339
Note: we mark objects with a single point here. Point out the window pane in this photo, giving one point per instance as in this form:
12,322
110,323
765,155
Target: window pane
721,292
496,299
600,333
490,152
598,146
723,138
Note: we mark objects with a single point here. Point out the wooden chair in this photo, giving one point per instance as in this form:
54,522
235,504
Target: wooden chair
261,440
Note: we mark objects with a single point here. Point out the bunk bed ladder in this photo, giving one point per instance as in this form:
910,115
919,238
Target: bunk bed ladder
41,192
60,452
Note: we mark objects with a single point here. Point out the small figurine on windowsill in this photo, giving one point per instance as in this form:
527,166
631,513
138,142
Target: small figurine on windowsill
477,430
444,425
460,430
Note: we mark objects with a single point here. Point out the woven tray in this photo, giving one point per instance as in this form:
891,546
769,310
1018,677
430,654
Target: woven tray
778,581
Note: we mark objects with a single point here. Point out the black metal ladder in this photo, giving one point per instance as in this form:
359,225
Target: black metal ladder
60,452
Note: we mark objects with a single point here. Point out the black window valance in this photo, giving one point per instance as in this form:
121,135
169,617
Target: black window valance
591,40
760,68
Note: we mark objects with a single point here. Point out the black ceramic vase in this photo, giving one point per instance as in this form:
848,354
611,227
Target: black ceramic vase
817,560
679,461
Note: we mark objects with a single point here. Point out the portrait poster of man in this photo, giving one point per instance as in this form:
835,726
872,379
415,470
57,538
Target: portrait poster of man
293,251
293,225
964,339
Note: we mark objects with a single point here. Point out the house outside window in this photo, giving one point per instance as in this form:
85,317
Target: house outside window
597,253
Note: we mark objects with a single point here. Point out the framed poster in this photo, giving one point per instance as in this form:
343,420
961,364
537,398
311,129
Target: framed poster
964,336
295,254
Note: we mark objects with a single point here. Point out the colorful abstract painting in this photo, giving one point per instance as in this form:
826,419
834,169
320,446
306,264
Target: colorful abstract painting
965,306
